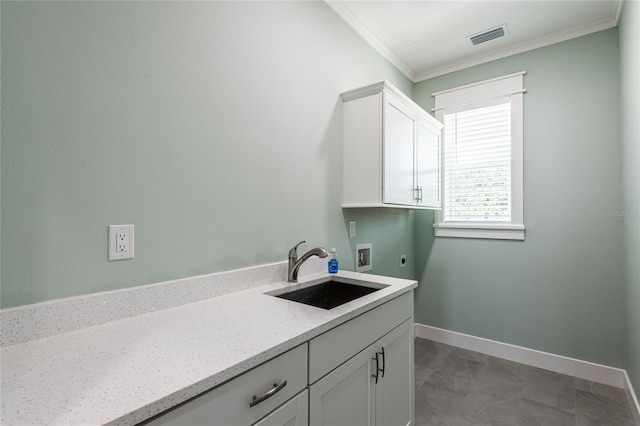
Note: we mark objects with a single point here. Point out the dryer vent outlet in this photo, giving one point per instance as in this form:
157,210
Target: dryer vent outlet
364,257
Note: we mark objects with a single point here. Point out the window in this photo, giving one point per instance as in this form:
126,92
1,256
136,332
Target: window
482,160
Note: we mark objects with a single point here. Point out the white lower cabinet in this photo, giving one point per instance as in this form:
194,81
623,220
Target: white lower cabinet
358,373
375,387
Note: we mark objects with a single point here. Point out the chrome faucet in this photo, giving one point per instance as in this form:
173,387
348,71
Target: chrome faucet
295,263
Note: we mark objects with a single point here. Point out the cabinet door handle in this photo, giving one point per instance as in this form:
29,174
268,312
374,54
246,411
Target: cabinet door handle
420,192
276,388
384,361
377,367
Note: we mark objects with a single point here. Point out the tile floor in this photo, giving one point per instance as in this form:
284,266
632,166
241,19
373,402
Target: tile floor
456,387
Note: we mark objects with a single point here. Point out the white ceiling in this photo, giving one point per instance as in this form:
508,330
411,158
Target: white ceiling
428,38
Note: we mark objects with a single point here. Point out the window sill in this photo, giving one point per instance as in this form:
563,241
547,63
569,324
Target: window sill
480,230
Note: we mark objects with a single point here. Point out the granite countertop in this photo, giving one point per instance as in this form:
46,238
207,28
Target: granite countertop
123,372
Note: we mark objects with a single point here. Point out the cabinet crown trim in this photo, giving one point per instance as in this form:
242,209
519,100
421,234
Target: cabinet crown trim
372,89
383,86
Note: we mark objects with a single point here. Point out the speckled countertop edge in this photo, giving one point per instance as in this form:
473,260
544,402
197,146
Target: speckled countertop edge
126,371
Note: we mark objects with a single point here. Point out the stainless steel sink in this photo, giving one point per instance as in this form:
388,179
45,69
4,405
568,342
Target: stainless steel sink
329,292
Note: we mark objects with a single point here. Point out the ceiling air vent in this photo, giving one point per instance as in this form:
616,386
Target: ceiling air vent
488,35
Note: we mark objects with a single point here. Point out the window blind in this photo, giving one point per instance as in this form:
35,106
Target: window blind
477,156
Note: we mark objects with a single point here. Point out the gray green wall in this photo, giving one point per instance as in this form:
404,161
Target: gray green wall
215,128
630,94
560,290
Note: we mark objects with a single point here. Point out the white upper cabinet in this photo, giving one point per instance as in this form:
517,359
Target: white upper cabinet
391,150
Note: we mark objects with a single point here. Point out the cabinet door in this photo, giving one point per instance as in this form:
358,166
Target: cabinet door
346,396
293,413
398,153
428,165
394,392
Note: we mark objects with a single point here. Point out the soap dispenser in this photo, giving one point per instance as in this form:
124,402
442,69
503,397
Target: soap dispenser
333,262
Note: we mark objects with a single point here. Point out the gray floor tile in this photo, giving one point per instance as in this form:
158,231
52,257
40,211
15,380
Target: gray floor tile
582,384
429,354
421,375
466,419
557,392
485,409
613,393
455,387
595,409
532,413
466,354
499,378
535,374
436,405
455,373
521,371
549,388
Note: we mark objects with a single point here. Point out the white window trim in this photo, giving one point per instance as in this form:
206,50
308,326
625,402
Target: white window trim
512,86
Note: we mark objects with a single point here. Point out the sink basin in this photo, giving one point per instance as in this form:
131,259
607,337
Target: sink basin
327,293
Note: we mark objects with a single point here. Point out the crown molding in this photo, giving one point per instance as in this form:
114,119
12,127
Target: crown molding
352,20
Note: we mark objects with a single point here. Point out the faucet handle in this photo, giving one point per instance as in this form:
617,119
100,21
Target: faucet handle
293,253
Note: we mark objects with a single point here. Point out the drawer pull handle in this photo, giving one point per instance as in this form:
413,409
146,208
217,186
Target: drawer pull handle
276,388
384,362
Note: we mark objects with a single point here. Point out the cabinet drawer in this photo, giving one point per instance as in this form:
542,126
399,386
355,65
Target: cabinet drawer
228,404
334,347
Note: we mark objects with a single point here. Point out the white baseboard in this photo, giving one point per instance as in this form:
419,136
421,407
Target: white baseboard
558,363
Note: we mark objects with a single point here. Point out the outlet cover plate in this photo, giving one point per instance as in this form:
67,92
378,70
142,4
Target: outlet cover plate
121,242
352,229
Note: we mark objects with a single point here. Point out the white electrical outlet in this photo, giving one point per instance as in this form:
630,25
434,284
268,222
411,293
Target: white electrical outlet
403,260
121,242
